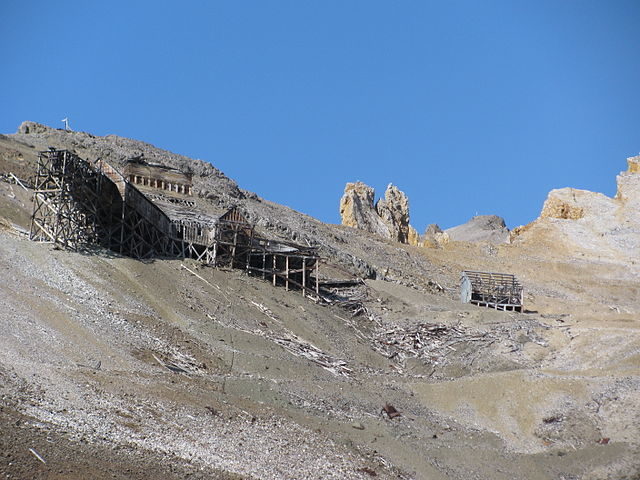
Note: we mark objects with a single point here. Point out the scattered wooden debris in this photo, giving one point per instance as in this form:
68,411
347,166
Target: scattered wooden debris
265,310
433,285
170,365
368,471
426,340
349,295
198,276
390,410
35,454
297,346
97,365
18,181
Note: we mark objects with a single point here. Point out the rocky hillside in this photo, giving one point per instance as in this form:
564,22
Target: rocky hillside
389,218
592,224
116,368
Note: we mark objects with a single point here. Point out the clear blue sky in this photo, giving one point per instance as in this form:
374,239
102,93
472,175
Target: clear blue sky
467,106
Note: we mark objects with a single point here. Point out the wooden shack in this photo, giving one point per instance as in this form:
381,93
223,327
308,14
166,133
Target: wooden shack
501,291
158,176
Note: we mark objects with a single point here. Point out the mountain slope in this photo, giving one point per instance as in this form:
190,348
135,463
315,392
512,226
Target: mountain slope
169,369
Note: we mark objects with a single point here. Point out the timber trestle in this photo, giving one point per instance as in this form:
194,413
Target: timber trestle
79,203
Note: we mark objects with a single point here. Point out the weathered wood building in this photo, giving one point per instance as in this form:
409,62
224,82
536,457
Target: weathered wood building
155,175
149,212
501,291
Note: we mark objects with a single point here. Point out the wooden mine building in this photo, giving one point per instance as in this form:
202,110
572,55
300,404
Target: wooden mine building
501,291
148,211
155,175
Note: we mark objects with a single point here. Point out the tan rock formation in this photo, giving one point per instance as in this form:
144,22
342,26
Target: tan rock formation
634,164
629,186
574,204
587,223
389,218
434,237
33,127
442,238
357,210
394,212
414,237
564,203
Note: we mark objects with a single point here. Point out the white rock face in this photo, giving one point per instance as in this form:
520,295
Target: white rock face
589,223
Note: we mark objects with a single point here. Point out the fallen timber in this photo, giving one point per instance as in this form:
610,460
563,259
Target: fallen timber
431,342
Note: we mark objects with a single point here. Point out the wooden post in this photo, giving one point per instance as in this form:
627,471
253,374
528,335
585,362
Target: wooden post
286,283
317,279
122,227
304,274
249,250
274,270
264,265
235,243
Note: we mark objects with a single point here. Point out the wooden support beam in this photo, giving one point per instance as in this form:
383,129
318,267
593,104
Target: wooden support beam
286,284
310,292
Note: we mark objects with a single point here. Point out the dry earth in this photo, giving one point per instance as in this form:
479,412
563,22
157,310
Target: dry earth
553,393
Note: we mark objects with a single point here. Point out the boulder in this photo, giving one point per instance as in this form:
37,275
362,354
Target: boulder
32,127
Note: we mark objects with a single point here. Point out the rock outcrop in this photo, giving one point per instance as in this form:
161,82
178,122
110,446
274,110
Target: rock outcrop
434,237
584,222
568,203
414,237
393,209
28,127
357,210
481,228
388,218
209,182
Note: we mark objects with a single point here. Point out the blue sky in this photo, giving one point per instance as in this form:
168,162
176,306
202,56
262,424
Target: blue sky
468,106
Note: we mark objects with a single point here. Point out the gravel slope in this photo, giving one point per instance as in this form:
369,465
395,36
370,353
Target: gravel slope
115,368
